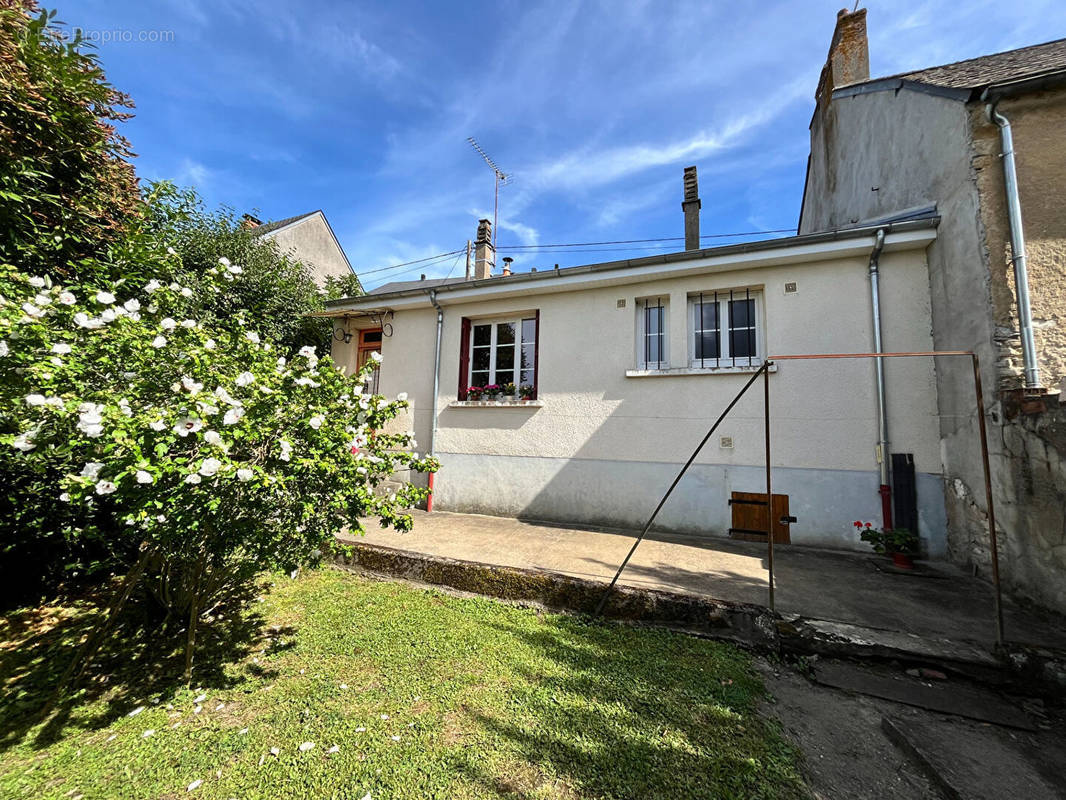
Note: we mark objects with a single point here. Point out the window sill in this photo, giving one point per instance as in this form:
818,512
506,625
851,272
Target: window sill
673,371
495,404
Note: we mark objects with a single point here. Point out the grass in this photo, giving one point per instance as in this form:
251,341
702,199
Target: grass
445,698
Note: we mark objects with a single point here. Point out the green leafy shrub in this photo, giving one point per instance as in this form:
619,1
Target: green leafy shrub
196,449
66,189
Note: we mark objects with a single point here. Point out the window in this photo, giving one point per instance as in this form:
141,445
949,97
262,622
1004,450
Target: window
651,334
499,352
370,342
724,329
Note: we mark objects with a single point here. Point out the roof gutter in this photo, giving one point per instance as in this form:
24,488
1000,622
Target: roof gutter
1017,238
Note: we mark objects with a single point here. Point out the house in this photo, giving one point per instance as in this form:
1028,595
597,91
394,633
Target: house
630,362
937,137
307,238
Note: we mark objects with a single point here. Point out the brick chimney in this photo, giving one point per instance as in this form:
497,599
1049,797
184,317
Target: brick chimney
248,222
691,206
849,55
484,252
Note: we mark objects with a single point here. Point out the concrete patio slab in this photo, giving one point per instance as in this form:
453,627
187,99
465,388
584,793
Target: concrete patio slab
827,585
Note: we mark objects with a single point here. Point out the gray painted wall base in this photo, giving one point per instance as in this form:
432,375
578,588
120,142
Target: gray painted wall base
622,494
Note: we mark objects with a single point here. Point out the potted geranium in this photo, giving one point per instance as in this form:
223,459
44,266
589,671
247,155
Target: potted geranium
526,391
900,543
510,392
475,392
493,391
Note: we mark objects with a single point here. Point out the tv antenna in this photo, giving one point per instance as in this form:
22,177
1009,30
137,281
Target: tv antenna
502,179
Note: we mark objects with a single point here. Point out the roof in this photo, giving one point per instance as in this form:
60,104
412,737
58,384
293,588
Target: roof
917,220
270,227
1011,65
402,286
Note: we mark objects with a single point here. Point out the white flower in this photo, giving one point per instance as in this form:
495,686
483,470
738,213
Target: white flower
286,449
67,298
65,497
359,440
133,304
34,399
24,441
61,348
252,336
206,409
37,282
144,477
209,467
191,385
43,299
244,474
194,478
186,291
105,487
282,362
306,746
308,351
152,286
245,378
376,356
124,407
159,341
135,316
209,344
223,395
91,469
192,787
174,286
187,425
234,270
168,324
188,323
109,315
172,251
402,397
54,402
305,381
316,421
233,416
224,261
32,310
104,298
4,349
158,425
90,419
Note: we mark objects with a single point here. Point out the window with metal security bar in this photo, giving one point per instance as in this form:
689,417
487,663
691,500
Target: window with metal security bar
499,351
652,351
725,329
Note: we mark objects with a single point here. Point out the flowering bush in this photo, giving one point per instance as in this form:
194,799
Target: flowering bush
196,448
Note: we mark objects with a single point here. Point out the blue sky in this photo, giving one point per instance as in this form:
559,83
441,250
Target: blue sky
363,109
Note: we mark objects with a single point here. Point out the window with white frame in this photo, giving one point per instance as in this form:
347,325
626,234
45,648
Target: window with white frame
502,352
725,329
651,333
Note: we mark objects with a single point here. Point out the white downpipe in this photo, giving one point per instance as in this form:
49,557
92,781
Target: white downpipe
875,299
436,373
1017,248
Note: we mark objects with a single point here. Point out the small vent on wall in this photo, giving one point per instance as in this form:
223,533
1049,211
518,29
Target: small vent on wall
622,303
791,287
726,443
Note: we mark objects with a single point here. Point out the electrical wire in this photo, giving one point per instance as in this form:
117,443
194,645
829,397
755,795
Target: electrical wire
439,256
642,241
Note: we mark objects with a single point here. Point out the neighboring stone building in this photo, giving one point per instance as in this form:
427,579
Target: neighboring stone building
308,238
881,149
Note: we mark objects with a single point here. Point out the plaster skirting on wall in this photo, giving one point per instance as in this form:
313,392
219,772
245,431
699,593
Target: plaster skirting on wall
622,494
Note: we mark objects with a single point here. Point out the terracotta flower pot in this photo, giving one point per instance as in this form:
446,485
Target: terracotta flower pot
902,561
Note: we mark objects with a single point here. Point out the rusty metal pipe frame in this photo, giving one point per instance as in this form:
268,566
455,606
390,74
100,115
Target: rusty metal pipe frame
982,427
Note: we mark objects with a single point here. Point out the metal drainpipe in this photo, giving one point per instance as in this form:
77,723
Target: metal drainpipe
882,410
1017,247
436,391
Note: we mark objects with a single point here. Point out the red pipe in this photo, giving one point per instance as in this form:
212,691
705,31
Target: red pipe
429,500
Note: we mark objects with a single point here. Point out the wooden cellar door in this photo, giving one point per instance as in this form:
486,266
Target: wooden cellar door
749,517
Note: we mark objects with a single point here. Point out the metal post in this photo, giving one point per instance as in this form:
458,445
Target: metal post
769,488
992,539
468,259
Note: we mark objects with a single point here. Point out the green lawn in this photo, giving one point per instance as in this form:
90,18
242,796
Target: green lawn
422,695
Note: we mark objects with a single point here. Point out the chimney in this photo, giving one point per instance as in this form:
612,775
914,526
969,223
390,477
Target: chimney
691,206
849,55
507,265
484,252
248,222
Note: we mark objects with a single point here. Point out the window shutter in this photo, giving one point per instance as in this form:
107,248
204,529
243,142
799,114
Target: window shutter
464,359
536,353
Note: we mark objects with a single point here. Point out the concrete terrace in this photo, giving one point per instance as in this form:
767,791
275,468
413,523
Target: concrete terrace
845,587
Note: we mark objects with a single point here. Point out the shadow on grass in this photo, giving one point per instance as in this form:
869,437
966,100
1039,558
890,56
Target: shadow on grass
605,710
140,662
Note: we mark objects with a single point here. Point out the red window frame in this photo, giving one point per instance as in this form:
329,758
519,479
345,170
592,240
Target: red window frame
464,356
